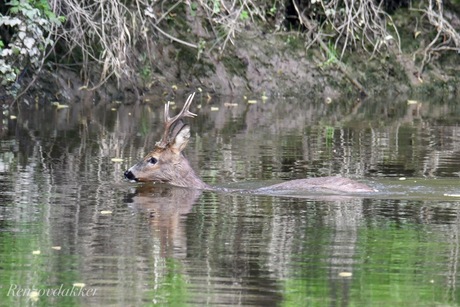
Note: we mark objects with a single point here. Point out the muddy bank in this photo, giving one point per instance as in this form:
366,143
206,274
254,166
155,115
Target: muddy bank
257,63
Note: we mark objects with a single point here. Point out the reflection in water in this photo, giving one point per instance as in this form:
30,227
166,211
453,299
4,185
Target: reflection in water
63,195
166,208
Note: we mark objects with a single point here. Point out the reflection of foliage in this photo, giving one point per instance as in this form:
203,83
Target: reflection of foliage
172,290
385,258
232,239
395,249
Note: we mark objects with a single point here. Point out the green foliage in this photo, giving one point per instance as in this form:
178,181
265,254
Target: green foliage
146,69
331,55
28,8
272,11
201,48
193,7
216,6
30,22
244,15
112,42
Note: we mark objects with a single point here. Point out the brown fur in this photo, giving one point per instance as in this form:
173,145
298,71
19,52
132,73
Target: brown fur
167,163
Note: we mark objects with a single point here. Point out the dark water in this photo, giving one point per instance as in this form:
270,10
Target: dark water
74,232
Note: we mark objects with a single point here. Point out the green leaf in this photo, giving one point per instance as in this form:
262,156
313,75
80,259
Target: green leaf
13,3
216,7
244,15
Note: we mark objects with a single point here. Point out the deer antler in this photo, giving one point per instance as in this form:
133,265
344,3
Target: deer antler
169,122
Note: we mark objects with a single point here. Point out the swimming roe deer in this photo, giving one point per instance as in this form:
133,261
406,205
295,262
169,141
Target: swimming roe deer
167,163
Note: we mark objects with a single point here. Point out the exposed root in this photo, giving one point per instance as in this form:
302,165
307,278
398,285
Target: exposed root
447,37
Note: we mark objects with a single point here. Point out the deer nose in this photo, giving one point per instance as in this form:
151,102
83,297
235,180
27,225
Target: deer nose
129,175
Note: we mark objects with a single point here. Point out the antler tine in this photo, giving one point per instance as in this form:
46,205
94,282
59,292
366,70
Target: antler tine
166,116
185,112
169,122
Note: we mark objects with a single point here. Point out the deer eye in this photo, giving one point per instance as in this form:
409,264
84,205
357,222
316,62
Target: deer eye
152,160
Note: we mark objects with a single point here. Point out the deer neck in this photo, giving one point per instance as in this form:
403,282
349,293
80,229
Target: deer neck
187,178
191,180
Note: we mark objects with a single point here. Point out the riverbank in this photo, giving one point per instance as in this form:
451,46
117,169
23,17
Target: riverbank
262,65
254,58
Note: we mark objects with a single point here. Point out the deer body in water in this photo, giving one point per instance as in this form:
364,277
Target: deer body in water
167,164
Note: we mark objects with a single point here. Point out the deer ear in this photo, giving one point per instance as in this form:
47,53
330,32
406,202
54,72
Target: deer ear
181,140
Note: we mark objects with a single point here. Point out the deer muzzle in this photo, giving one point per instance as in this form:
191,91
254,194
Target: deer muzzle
130,176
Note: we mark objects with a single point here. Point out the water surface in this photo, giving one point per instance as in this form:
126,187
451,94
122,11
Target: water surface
69,222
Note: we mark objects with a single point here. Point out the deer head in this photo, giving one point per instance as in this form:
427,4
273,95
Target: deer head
167,163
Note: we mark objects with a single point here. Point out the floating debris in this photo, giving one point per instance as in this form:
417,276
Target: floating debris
345,274
116,160
79,284
60,106
252,101
412,101
213,109
37,252
34,295
106,212
452,195
402,178
57,248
